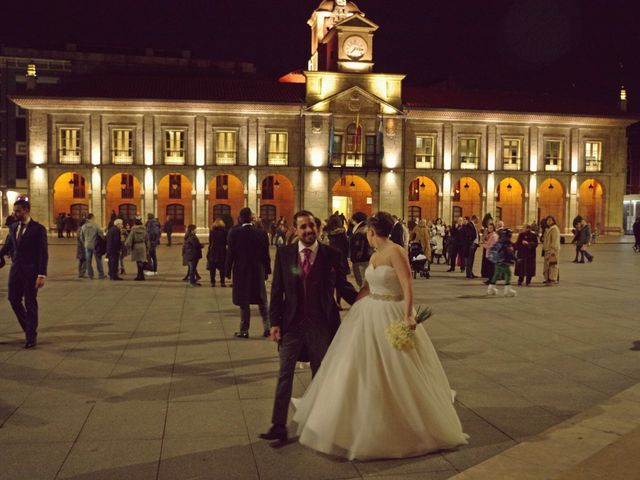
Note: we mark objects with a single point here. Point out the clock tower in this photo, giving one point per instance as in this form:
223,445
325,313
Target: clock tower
341,38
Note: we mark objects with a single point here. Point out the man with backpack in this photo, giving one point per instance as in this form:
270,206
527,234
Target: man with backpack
153,235
503,255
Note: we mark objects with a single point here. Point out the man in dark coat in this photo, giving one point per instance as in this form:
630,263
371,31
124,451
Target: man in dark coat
456,244
114,247
304,315
168,229
249,261
526,255
636,233
27,245
472,241
397,233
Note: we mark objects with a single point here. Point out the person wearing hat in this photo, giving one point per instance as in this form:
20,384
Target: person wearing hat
249,263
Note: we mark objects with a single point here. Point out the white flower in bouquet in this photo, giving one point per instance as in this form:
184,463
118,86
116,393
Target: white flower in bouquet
400,336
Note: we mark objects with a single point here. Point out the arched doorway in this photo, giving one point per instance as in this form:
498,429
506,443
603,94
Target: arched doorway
591,204
175,200
510,203
467,198
123,196
226,197
71,195
352,194
423,199
551,201
276,199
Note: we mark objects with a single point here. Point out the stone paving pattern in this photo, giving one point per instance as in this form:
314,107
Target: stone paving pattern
146,381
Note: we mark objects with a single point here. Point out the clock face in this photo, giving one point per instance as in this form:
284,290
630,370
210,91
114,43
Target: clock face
355,47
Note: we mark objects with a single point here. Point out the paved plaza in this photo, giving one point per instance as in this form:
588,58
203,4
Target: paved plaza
144,380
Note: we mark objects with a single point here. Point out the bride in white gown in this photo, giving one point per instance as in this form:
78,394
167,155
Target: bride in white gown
369,400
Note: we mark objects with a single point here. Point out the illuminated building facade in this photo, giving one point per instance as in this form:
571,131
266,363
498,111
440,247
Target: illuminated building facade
335,137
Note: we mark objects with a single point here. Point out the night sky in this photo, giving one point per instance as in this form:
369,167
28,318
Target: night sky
555,46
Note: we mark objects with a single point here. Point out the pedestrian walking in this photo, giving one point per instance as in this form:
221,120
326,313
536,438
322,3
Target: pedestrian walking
27,246
81,256
168,229
217,252
114,248
584,240
249,263
192,253
137,243
526,245
92,238
503,255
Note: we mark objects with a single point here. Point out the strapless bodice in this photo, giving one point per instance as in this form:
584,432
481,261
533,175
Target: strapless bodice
383,281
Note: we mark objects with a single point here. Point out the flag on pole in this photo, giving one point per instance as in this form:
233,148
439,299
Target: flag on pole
331,135
380,141
358,135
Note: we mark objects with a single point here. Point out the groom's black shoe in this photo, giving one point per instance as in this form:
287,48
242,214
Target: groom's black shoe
276,432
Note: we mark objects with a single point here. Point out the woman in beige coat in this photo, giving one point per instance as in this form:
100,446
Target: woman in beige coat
421,235
137,243
551,246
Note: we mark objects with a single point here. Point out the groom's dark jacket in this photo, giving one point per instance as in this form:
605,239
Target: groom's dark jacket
287,290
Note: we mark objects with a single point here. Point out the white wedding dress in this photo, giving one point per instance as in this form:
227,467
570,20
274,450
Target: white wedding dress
369,400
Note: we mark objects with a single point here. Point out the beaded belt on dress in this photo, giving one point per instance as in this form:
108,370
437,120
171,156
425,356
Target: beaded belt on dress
387,298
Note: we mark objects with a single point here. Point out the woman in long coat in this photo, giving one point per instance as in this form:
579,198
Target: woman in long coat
217,252
526,255
137,244
421,235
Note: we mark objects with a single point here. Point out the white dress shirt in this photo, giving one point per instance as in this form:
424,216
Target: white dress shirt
314,252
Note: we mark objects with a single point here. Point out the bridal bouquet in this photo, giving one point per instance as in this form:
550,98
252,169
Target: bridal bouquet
400,336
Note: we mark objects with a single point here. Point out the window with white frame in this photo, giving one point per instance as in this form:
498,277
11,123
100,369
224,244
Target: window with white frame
511,153
122,145
69,141
278,150
174,147
553,155
593,156
425,151
226,153
468,153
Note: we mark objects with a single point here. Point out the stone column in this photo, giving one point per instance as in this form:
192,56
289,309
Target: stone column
148,200
391,193
39,190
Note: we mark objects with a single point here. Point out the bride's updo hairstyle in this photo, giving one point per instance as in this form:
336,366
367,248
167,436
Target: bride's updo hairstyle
381,223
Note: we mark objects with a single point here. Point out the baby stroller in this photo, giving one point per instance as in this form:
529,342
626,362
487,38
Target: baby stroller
419,261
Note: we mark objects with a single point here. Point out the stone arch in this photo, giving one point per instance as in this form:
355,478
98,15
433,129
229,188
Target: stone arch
591,203
70,188
467,198
277,199
510,202
122,190
552,201
423,198
175,198
225,190
351,194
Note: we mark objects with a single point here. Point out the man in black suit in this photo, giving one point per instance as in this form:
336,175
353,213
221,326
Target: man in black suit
303,313
249,261
472,240
27,245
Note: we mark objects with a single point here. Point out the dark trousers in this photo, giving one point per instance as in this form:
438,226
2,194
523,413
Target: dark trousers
169,238
140,266
114,262
584,253
24,286
245,317
316,341
454,251
192,273
213,267
469,260
522,277
154,258
578,247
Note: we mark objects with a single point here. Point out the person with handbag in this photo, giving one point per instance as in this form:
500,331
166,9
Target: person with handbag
551,246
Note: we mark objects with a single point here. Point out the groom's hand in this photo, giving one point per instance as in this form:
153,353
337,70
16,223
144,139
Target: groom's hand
275,334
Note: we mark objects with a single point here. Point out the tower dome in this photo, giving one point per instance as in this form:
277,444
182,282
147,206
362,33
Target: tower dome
332,5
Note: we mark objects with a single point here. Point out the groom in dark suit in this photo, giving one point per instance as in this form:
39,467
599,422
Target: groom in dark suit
303,312
27,245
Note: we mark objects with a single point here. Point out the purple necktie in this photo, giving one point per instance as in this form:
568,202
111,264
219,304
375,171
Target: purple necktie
306,263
